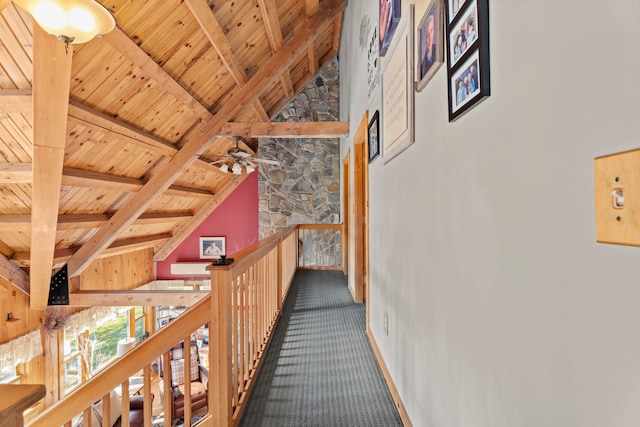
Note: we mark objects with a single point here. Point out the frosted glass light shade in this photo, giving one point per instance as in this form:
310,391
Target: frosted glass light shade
224,167
236,168
72,21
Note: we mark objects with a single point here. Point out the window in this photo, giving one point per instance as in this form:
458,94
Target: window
90,341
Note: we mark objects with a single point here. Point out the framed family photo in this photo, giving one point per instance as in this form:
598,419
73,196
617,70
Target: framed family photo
464,33
468,67
374,136
430,44
212,247
389,18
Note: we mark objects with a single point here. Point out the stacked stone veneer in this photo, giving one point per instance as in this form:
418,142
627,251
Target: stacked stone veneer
305,187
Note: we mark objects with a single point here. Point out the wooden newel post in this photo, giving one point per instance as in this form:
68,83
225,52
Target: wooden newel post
220,399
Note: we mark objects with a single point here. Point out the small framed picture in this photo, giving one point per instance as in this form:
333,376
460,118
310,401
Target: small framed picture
374,136
212,247
430,43
468,68
463,33
389,19
453,7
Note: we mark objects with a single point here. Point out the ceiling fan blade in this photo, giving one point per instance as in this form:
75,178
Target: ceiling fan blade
266,161
242,154
218,162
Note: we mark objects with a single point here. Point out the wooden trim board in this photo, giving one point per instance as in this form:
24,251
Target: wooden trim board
404,416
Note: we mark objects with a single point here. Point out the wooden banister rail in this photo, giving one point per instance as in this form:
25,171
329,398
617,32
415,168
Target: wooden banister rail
242,311
15,399
246,299
122,369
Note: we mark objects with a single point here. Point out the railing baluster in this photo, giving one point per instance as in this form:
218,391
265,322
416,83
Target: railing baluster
186,351
125,402
241,334
166,384
146,393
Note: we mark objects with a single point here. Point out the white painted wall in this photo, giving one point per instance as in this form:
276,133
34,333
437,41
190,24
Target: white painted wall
504,311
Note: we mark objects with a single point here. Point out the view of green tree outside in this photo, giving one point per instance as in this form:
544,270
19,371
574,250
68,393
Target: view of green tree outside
105,341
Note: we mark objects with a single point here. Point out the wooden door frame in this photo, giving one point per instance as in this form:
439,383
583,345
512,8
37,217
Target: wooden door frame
346,213
360,211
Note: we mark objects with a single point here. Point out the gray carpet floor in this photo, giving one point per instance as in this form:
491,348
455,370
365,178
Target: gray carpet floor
320,369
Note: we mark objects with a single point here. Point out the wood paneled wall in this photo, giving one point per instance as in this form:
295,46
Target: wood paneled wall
119,272
25,319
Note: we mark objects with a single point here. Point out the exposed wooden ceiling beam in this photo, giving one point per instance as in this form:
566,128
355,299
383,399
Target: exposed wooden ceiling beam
287,85
286,130
15,173
337,33
16,101
313,59
134,244
51,83
89,221
201,138
118,247
135,298
100,122
271,20
311,7
188,227
127,47
261,113
212,29
82,178
269,11
14,275
5,249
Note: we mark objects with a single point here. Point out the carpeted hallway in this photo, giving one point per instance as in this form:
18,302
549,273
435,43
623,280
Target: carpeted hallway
320,369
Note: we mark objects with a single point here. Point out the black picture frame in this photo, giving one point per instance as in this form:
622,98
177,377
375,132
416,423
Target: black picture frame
468,68
430,28
374,136
388,18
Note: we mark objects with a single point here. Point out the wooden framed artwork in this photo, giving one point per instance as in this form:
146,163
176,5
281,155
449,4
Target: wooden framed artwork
398,91
468,68
374,136
212,247
429,44
389,19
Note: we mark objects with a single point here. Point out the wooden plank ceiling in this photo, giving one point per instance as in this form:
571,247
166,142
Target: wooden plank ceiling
144,106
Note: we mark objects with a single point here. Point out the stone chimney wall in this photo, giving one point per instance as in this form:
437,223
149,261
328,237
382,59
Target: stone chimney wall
305,188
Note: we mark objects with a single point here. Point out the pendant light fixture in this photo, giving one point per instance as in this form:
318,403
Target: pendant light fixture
72,21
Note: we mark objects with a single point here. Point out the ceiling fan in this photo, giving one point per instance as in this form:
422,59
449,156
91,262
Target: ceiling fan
237,158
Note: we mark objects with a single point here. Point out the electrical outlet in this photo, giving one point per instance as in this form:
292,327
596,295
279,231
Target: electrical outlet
386,323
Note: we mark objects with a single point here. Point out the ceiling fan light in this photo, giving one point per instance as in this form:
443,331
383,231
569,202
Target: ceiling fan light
73,21
236,168
224,167
250,168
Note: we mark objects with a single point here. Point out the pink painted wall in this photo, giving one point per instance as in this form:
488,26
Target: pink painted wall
236,219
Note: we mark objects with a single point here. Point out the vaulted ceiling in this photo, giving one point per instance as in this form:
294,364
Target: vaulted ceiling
104,147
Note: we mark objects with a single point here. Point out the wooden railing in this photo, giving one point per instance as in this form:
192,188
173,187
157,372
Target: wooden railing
242,310
248,297
118,374
320,246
